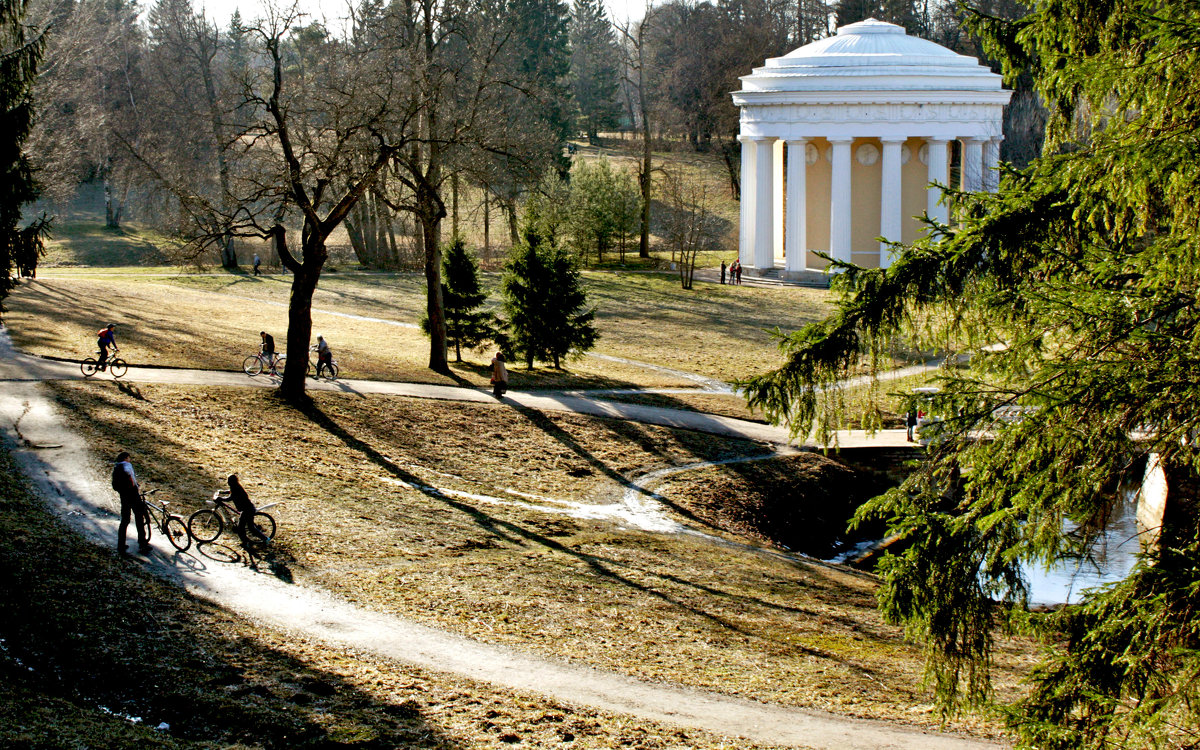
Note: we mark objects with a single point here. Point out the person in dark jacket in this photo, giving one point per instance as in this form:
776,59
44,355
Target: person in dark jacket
245,509
125,483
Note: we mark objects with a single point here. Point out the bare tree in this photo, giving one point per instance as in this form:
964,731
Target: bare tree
690,227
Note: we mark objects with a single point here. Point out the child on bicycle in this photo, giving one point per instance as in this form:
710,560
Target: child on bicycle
245,509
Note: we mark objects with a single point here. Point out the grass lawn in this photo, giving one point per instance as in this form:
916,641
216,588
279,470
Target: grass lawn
516,569
212,321
77,659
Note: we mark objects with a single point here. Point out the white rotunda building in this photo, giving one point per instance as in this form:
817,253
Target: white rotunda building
861,123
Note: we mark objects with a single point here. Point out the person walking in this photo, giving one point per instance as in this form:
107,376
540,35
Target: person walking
257,263
105,338
124,481
738,264
722,272
499,375
910,422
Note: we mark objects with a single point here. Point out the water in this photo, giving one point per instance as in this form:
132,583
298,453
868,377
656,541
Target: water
1112,559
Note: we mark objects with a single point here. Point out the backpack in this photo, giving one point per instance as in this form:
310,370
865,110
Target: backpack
120,478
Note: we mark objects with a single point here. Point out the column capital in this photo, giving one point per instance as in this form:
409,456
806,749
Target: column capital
893,138
839,138
799,141
765,138
745,139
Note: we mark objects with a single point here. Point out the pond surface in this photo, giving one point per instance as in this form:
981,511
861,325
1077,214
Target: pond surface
1113,557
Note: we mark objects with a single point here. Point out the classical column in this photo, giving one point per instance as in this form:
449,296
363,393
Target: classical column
840,199
797,205
777,188
746,235
764,202
891,219
972,164
991,160
938,172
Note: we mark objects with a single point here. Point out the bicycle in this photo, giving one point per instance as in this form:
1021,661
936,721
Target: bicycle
256,364
170,524
114,364
315,366
206,524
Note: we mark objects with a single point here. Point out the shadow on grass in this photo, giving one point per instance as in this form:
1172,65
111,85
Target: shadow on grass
136,662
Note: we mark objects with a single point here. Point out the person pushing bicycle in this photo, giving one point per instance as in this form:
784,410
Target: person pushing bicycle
245,508
268,348
324,357
105,338
125,483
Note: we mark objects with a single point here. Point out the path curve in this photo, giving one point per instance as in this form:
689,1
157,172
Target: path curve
58,462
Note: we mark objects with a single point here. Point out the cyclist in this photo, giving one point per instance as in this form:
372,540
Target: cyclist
245,508
105,338
324,356
268,348
125,483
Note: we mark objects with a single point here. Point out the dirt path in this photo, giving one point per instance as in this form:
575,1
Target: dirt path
58,462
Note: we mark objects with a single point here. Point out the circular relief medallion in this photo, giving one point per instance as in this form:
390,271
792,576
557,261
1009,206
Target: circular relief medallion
867,154
810,154
905,154
923,153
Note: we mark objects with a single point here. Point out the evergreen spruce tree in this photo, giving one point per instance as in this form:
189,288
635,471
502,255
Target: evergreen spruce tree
19,59
1075,291
595,67
462,295
545,301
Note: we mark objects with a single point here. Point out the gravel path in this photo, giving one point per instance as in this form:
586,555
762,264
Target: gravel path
58,462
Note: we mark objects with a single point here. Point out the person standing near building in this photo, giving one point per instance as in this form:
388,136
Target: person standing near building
722,272
124,481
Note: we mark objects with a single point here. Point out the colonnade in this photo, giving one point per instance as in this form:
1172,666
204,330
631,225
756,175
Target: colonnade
768,217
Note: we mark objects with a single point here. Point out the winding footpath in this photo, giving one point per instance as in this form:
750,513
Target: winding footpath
58,463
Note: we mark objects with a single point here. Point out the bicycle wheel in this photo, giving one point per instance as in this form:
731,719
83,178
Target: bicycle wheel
88,366
280,363
177,533
252,365
117,367
264,523
146,525
205,525
333,371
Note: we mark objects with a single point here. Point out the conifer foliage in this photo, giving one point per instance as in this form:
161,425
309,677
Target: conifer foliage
19,59
1075,292
595,68
545,302
462,295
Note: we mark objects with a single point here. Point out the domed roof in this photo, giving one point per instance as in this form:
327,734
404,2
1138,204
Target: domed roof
871,55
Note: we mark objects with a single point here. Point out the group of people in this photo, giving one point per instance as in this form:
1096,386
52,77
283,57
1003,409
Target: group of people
324,353
735,271
125,482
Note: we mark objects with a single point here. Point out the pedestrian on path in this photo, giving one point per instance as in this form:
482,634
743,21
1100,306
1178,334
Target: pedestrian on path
499,375
910,422
722,272
124,481
257,263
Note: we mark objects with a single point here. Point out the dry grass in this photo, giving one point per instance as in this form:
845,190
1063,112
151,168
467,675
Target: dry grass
137,646
661,607
212,321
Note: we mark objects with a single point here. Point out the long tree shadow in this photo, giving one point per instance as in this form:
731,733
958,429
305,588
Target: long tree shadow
138,662
506,530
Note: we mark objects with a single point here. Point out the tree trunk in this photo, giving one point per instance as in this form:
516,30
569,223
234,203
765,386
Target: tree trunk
304,282
487,221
